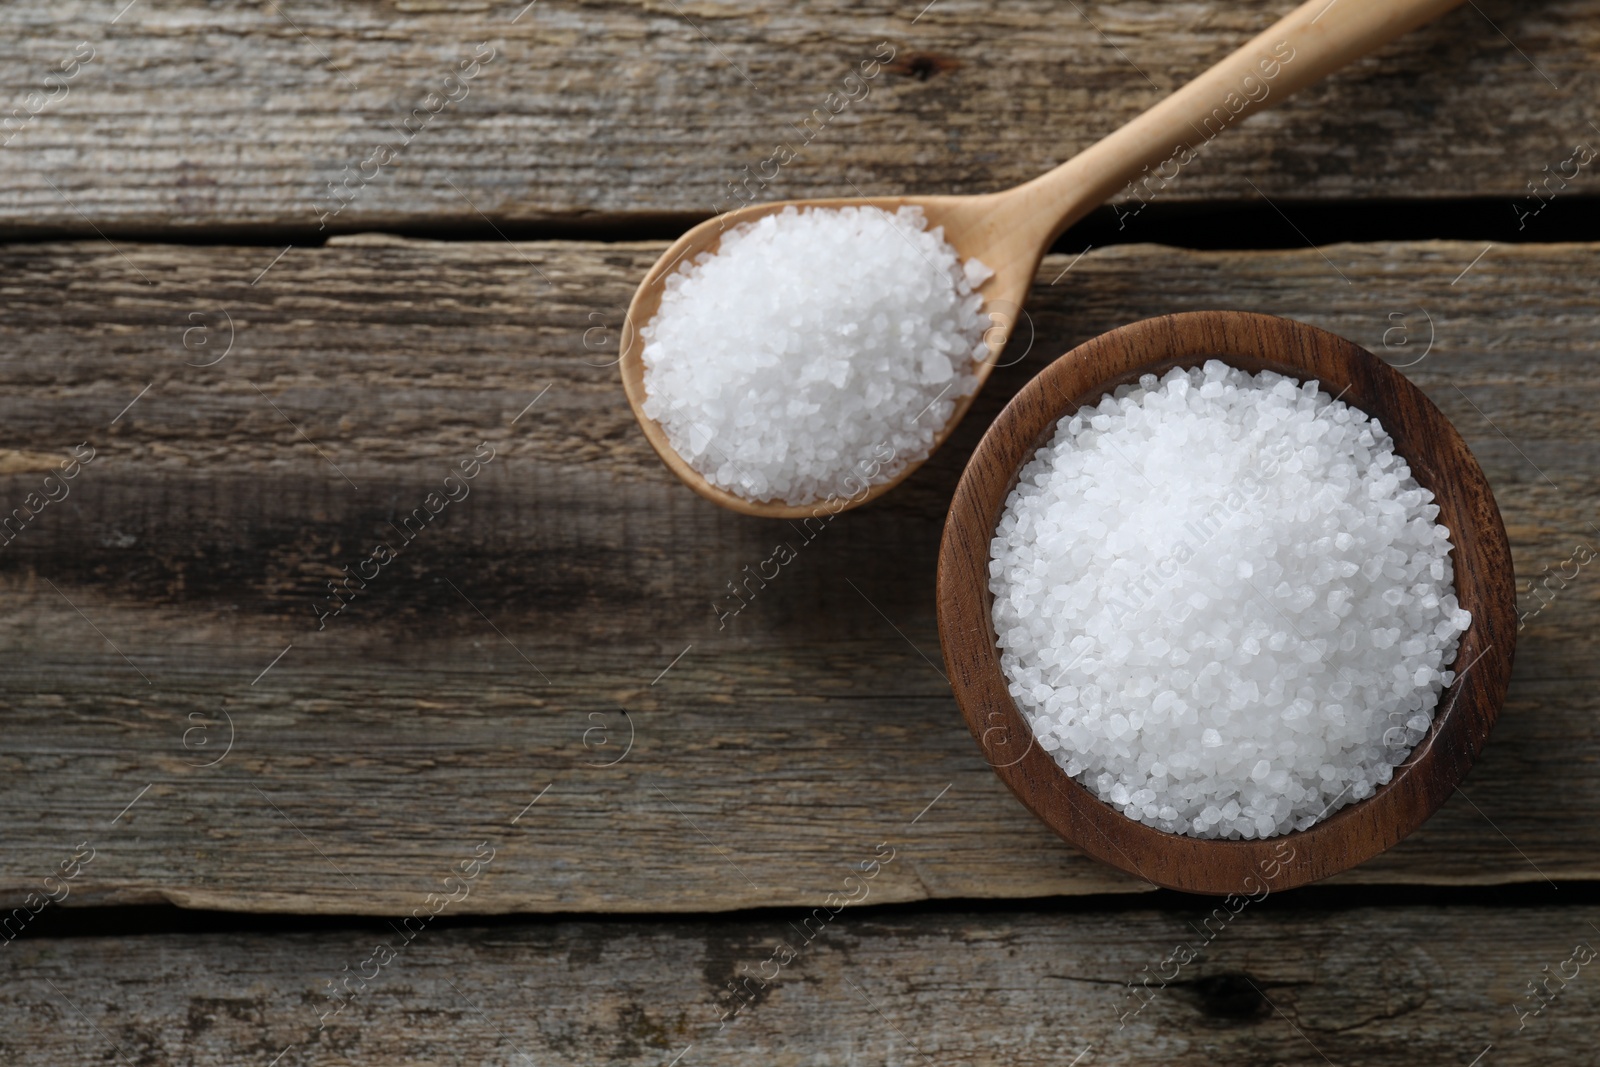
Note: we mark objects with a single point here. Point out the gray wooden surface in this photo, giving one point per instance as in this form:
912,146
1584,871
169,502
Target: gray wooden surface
1379,986
209,117
492,660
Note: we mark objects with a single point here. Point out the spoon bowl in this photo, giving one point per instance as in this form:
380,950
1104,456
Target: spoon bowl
972,225
1440,462
1010,231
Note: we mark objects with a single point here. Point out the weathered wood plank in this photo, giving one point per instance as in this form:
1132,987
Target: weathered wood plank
192,115
1271,984
471,673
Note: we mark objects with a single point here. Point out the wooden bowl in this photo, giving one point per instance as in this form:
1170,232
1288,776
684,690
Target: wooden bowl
1439,460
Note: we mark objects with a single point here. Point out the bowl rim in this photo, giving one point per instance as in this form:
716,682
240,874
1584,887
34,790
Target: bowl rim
1439,460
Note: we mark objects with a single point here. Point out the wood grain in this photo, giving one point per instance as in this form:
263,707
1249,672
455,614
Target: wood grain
1440,461
195,117
1272,985
429,714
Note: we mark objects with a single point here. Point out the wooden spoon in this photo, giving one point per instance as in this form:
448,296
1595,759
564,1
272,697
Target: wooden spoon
1010,231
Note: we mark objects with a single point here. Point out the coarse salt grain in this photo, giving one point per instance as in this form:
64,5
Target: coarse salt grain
817,352
1223,603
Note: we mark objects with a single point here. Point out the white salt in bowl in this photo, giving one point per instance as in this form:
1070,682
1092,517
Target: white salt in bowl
1439,461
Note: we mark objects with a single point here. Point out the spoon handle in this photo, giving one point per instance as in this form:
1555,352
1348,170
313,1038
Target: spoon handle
1311,42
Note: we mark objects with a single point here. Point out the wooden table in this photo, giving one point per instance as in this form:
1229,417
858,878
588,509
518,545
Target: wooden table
243,794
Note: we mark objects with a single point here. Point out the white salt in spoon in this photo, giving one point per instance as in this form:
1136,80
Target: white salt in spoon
1010,231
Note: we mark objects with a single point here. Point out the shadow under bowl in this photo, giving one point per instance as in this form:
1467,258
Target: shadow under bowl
1439,460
